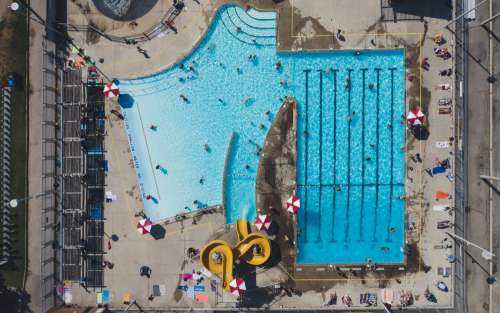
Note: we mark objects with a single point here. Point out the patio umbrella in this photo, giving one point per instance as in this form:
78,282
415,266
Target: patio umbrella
415,117
144,226
420,132
158,231
111,90
293,204
262,222
237,286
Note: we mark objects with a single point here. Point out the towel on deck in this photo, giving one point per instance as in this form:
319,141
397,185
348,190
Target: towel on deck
438,170
442,195
201,297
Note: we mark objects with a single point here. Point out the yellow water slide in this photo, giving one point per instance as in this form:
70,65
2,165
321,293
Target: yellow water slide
217,256
253,248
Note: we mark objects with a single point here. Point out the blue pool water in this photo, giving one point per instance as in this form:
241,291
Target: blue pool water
350,174
228,96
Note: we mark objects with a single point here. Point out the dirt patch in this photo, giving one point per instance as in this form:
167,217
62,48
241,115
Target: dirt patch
377,27
302,33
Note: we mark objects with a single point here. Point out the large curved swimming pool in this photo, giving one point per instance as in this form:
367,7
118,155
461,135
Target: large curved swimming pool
196,130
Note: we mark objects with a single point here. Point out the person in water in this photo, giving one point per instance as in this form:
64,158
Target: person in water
348,83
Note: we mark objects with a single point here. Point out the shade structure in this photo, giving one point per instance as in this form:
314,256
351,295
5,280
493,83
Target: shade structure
262,222
415,117
144,226
293,204
420,132
158,232
237,286
111,90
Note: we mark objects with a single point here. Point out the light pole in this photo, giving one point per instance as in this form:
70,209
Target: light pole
488,180
491,78
13,203
486,177
15,6
485,254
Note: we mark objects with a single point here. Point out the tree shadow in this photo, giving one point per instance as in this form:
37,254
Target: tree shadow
274,229
257,297
275,257
13,299
254,296
248,273
441,9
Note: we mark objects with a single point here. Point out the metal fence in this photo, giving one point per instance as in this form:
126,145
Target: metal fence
165,25
461,42
49,254
6,226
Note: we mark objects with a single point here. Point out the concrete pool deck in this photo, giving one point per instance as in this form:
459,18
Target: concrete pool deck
311,26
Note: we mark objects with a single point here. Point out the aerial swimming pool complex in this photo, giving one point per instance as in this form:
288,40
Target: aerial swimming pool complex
196,131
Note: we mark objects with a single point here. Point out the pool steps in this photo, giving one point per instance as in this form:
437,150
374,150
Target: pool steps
247,29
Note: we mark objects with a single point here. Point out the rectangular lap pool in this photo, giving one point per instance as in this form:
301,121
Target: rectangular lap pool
350,167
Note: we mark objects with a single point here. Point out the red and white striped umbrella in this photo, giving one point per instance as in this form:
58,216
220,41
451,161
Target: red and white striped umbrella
415,117
262,222
237,286
293,204
111,90
144,226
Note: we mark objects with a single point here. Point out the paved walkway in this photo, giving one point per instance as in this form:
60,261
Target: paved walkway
479,153
162,51
33,282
